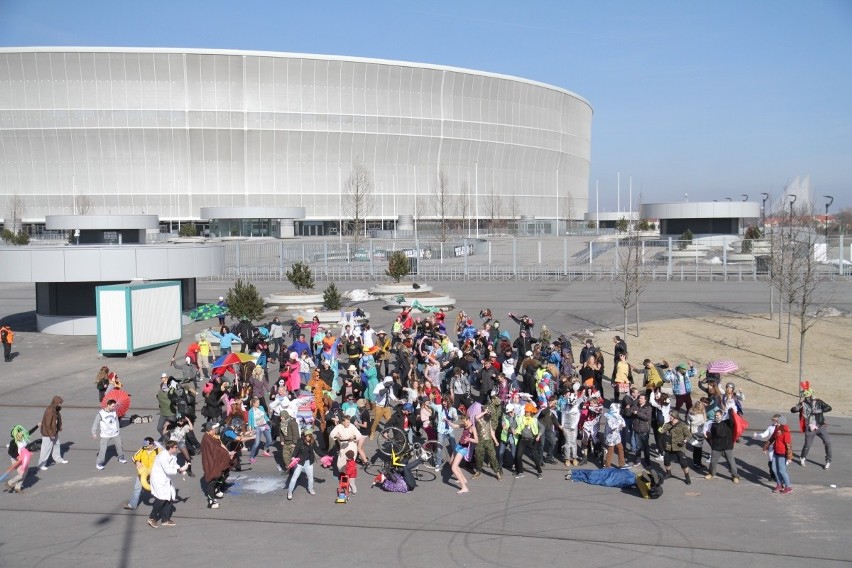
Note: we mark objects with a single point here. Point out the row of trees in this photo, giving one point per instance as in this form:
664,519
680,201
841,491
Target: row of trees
793,275
451,210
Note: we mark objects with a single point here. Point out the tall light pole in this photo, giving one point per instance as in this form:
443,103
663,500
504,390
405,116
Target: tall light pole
827,205
745,196
792,201
763,211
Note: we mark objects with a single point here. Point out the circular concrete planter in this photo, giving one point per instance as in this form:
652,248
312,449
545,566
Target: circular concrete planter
326,318
393,289
294,300
425,299
740,258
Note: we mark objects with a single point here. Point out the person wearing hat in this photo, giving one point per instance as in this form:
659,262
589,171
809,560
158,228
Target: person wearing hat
144,461
528,436
780,446
676,434
166,401
403,418
682,386
221,303
351,386
812,423
383,342
383,397
304,456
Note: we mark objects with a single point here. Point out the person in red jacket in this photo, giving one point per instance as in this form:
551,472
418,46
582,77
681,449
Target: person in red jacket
781,443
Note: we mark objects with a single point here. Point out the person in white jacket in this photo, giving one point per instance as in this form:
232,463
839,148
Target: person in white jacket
570,419
106,423
162,489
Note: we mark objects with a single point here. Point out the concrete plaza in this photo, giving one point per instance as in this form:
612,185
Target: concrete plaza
71,515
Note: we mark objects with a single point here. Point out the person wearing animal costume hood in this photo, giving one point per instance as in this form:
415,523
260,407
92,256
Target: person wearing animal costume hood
20,457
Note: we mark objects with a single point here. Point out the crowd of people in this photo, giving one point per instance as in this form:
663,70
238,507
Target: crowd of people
493,397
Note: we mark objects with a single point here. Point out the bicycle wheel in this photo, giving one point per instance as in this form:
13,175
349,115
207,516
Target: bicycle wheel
374,468
437,453
391,441
421,473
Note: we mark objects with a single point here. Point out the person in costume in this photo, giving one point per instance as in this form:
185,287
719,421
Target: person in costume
20,456
216,462
812,423
144,461
165,466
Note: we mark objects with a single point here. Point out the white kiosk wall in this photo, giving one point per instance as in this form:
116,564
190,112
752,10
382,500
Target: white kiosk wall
134,317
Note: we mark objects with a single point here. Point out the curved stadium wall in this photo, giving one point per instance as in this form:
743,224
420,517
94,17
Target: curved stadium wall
164,131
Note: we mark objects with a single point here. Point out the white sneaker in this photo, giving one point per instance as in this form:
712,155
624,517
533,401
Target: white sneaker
61,461
827,465
802,462
43,468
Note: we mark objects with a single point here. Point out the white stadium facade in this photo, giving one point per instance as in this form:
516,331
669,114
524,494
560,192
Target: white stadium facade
139,131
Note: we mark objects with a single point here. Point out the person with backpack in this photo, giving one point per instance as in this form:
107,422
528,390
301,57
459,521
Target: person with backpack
7,336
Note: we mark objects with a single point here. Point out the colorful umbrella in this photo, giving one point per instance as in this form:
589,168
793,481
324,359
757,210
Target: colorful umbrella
207,311
225,362
122,401
722,367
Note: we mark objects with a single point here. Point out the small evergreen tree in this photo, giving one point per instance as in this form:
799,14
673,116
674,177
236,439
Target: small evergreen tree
188,230
301,277
22,238
398,266
622,225
685,239
244,301
751,234
331,299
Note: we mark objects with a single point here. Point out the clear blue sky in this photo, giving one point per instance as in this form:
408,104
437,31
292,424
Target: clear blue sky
713,99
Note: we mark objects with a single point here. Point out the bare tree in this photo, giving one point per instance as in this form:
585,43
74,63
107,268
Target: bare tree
463,209
443,203
629,280
16,212
514,207
568,208
797,278
83,204
494,209
358,200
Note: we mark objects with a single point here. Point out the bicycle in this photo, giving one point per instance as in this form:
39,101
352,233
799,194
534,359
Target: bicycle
396,452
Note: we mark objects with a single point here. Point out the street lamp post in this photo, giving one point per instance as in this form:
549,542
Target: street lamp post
763,211
827,205
745,196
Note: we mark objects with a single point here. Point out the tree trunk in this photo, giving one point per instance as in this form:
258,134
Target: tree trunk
801,355
625,322
780,315
789,327
637,316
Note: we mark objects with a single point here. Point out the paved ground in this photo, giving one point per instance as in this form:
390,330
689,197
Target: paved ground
71,515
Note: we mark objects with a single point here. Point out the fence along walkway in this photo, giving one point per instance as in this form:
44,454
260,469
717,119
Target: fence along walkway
568,258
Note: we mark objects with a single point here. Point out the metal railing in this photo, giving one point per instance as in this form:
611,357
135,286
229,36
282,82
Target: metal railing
567,258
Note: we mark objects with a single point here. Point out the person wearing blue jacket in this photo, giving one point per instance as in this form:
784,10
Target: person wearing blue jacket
260,423
226,339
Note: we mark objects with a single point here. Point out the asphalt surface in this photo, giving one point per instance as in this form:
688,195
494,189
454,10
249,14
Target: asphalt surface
71,515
